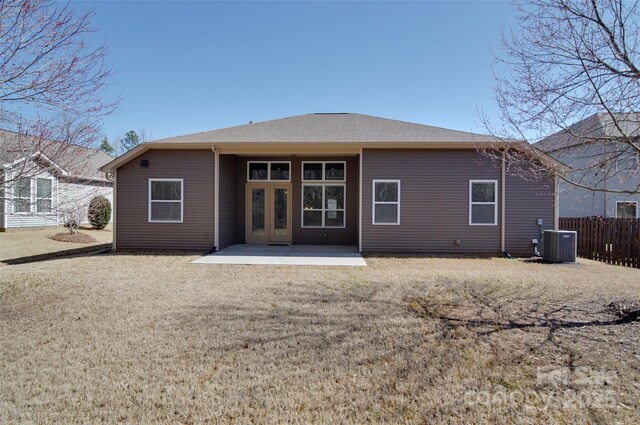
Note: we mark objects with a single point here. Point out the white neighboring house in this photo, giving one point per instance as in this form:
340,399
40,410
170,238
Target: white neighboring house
47,191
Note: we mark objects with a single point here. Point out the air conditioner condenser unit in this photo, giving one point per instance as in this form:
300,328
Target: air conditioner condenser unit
560,246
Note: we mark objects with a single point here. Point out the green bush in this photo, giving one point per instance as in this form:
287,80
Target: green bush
99,212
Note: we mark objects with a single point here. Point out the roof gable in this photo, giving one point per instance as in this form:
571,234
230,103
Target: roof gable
38,157
70,160
596,127
330,127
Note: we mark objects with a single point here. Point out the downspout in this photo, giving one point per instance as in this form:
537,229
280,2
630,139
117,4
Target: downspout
502,204
216,198
360,204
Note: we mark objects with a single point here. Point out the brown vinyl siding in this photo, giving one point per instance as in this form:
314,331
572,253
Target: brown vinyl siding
133,229
527,201
302,235
228,200
434,209
241,176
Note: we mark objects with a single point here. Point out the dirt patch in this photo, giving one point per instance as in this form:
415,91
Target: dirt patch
75,238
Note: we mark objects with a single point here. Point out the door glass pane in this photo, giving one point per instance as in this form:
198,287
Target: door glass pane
257,211
280,212
334,171
279,171
386,192
258,171
312,171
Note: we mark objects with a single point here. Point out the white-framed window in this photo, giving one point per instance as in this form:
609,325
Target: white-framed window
316,171
483,202
22,195
44,190
627,209
386,202
166,200
268,171
323,205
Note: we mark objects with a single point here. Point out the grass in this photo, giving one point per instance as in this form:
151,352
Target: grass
27,243
141,338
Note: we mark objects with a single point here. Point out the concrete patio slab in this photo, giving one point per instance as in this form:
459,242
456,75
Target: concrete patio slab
289,255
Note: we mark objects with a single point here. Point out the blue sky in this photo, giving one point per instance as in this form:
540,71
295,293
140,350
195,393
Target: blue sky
185,67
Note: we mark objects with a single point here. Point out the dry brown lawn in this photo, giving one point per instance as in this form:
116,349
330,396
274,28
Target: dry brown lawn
143,338
26,243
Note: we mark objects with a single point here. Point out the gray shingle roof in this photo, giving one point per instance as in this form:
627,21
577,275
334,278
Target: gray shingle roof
79,161
592,128
330,127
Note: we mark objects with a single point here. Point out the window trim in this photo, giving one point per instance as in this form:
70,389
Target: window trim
374,202
323,209
150,201
628,202
268,171
36,178
324,165
494,203
30,198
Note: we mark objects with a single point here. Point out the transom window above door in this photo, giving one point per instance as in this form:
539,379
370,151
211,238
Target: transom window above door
324,171
268,171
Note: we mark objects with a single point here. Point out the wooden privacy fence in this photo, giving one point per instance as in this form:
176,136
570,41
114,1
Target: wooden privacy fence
612,240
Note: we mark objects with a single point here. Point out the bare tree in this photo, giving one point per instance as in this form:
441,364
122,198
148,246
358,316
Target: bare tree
51,80
567,61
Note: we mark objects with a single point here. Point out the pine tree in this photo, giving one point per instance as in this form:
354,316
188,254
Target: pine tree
129,141
106,147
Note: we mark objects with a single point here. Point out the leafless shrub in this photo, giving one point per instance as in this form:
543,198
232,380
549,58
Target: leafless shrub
72,217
